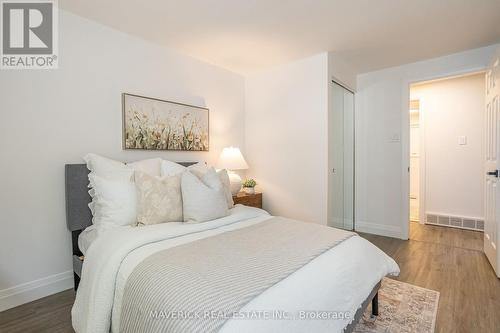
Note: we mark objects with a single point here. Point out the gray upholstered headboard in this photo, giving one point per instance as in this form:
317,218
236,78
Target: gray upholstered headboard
78,215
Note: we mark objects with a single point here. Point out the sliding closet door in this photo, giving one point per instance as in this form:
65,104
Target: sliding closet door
341,158
336,157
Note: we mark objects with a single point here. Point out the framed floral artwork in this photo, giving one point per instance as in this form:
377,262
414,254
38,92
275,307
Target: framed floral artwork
155,124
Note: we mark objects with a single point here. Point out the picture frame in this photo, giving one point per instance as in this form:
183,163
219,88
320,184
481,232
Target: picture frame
155,124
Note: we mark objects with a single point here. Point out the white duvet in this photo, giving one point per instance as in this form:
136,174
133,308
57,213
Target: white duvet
338,280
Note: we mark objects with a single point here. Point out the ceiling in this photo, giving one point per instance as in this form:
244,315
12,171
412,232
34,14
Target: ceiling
249,35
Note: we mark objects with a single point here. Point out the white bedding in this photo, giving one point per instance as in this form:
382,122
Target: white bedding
339,279
86,238
90,234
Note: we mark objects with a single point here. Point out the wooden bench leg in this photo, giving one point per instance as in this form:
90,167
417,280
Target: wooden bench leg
375,305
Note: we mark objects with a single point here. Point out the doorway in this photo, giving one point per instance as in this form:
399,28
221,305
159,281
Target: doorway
341,157
446,119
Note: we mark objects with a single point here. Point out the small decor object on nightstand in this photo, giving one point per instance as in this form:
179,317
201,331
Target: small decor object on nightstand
231,159
249,186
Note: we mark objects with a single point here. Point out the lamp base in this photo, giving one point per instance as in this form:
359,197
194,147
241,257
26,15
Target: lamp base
235,181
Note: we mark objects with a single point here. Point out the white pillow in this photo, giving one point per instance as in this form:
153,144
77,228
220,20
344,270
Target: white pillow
224,178
114,201
203,199
171,168
151,166
199,169
108,168
114,198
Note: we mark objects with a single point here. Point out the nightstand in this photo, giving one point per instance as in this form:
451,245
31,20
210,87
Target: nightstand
252,200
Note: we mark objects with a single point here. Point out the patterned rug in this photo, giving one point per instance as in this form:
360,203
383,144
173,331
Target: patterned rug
403,308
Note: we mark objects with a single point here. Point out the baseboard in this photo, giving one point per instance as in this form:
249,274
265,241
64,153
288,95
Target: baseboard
378,229
33,290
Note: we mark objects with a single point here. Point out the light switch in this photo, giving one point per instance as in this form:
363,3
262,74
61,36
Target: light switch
462,140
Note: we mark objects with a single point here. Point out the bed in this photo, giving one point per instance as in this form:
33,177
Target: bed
340,282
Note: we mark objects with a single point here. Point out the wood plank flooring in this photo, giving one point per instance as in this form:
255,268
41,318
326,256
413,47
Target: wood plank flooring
444,259
450,261
50,314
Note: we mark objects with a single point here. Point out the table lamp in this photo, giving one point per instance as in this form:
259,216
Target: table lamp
231,160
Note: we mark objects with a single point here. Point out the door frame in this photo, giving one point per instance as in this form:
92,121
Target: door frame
421,163
421,167
405,140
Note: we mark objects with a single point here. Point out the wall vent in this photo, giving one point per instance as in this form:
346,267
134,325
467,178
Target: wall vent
480,224
468,223
445,220
455,221
432,219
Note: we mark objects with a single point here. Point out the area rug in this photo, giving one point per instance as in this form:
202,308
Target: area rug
403,308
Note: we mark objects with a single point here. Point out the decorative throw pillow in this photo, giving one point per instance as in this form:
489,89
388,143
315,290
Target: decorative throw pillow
159,200
113,201
151,166
203,199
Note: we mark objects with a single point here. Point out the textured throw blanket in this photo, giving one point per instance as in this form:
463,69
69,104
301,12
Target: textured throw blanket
197,287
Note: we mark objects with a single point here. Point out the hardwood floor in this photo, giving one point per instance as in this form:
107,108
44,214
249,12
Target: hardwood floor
50,314
444,259
450,261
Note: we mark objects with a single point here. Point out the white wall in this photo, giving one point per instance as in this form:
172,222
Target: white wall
286,131
49,118
341,71
286,137
382,143
454,180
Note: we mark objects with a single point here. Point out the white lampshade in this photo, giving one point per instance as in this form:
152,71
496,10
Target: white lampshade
231,159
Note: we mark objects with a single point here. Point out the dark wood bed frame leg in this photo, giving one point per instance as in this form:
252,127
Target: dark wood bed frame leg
375,305
76,278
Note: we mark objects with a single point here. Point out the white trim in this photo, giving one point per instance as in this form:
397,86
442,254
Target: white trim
379,229
405,153
422,166
33,290
343,84
405,138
